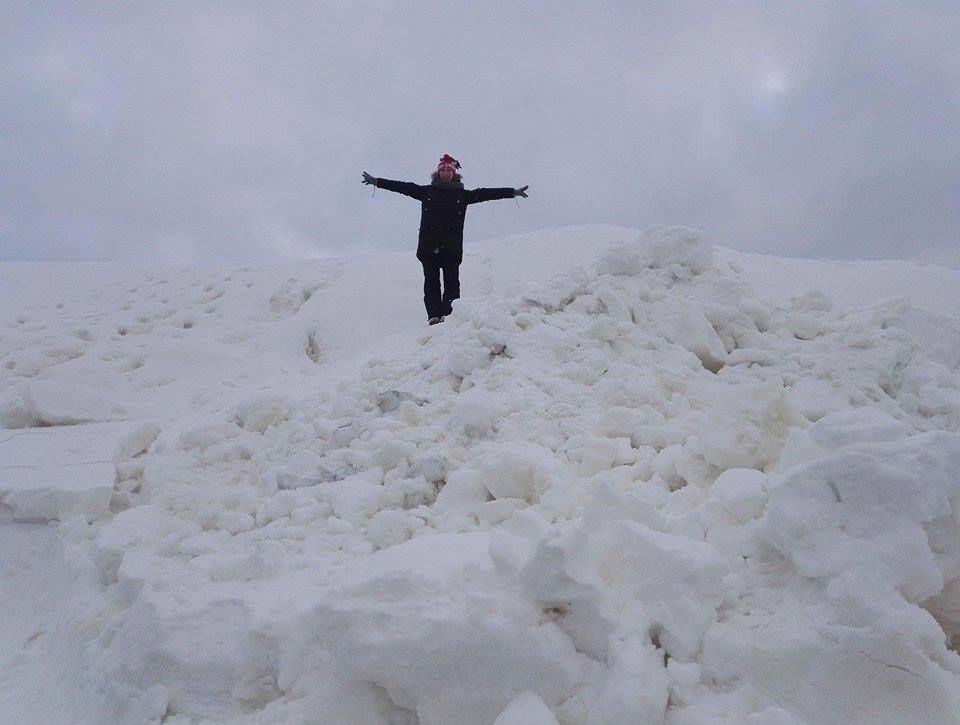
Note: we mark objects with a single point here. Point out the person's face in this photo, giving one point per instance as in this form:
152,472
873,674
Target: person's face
446,173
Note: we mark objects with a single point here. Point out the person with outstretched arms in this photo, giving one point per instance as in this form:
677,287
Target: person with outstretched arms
444,204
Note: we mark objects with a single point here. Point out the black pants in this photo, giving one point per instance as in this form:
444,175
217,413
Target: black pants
440,305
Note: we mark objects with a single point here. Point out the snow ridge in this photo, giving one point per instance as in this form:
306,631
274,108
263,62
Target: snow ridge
638,493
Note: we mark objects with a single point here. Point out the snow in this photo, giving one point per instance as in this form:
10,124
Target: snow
633,478
41,634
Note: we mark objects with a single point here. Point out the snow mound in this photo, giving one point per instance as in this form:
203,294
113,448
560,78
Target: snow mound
637,492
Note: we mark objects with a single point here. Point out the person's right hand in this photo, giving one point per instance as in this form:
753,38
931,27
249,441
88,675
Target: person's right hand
367,179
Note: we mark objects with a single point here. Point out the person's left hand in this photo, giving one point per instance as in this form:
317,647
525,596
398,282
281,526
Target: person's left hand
367,179
522,191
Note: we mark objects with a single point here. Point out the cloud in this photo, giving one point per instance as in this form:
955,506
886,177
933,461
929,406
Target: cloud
202,131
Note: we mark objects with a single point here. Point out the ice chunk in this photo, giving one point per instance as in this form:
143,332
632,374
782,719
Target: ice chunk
467,356
426,621
203,437
756,311
681,322
392,452
51,403
936,335
493,512
870,508
526,709
747,427
141,526
815,398
464,489
433,467
355,499
473,413
666,246
945,607
259,413
519,470
49,473
811,301
389,400
389,527
606,574
303,462
290,481
600,454
558,292
621,259
741,491
856,425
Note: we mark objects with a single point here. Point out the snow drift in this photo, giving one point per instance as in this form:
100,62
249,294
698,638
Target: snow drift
638,491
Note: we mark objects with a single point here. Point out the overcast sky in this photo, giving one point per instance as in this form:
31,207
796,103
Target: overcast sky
198,131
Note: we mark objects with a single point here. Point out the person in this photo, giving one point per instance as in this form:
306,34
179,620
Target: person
444,204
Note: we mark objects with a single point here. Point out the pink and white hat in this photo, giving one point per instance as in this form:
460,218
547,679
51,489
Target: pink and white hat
448,162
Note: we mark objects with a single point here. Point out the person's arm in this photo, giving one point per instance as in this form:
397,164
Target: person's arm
475,196
406,188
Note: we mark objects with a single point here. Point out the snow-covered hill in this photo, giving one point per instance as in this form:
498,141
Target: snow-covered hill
631,479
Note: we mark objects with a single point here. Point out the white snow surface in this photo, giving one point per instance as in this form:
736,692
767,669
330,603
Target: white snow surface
633,478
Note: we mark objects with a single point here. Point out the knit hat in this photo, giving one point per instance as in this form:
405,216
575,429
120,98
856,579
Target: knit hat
448,162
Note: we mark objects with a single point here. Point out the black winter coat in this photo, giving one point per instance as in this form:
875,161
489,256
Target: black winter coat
443,209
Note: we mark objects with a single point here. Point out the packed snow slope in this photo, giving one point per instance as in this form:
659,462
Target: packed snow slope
632,478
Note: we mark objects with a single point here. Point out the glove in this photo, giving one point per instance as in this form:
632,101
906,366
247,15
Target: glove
522,191
367,179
